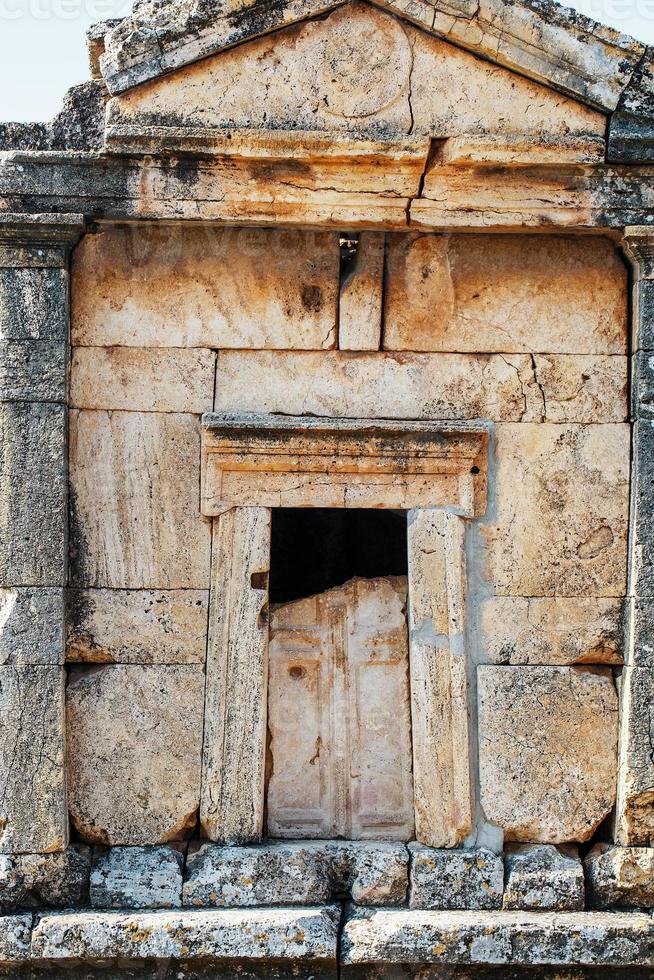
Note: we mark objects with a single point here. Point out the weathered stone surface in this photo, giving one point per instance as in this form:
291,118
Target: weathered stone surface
15,931
620,876
360,301
134,746
135,511
142,380
631,130
470,293
547,750
37,880
33,816
33,370
641,648
422,386
557,631
560,523
635,809
292,873
136,878
528,938
339,715
543,877
439,685
452,879
642,548
137,626
205,286
31,627
235,734
33,498
33,304
294,934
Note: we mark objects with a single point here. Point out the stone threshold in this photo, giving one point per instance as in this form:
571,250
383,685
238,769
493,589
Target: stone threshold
326,938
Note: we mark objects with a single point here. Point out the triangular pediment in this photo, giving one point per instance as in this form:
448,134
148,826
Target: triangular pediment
361,71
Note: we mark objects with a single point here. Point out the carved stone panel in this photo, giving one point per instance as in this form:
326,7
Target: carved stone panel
339,715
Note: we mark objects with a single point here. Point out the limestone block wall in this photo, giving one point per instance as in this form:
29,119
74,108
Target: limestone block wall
526,332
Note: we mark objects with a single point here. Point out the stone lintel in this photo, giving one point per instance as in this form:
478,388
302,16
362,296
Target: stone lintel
252,460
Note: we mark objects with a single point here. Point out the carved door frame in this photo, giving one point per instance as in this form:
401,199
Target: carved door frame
253,463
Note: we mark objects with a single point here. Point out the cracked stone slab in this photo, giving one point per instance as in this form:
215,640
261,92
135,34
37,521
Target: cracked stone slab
620,877
455,879
136,878
296,873
50,880
513,938
31,627
307,934
543,877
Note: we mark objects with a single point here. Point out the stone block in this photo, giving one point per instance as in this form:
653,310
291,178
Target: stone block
635,809
33,370
15,940
33,814
31,627
642,469
134,750
551,631
620,877
51,880
135,502
547,750
34,304
360,302
541,877
641,648
559,524
140,626
467,293
522,939
643,315
137,380
225,934
296,873
136,878
33,499
455,879
142,285
498,387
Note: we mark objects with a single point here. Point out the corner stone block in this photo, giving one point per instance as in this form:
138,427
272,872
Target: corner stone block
33,495
34,304
451,879
547,750
33,370
635,809
543,877
32,627
33,814
621,877
136,878
51,880
134,748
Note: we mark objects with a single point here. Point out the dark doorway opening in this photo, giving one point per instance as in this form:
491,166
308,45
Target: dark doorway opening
317,549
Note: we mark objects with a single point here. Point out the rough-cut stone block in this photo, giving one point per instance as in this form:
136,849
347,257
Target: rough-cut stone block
547,750
635,810
515,630
33,370
339,715
559,527
641,648
452,879
33,815
134,487
33,494
293,873
34,304
642,470
360,302
528,939
134,748
51,880
540,293
620,876
225,934
643,315
15,935
631,129
140,380
125,626
543,877
136,878
498,387
32,627
206,286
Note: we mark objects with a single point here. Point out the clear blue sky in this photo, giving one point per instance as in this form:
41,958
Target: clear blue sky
43,52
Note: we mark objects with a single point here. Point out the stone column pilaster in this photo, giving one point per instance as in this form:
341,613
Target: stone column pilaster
635,810
34,355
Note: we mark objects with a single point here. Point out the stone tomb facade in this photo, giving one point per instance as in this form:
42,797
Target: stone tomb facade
326,339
